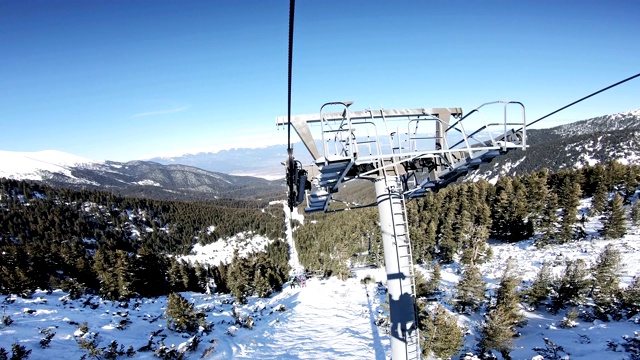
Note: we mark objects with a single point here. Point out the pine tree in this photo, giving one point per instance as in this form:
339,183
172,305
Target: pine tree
240,277
615,219
421,284
549,220
630,183
508,297
497,332
447,244
541,287
103,265
537,193
470,290
440,334
569,199
605,289
631,297
124,272
606,271
182,316
572,286
635,213
433,285
599,201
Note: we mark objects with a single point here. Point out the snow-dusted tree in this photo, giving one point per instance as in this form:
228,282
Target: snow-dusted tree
631,297
635,213
508,296
606,274
615,220
541,287
497,332
569,199
470,290
572,286
549,221
440,334
424,287
182,316
599,201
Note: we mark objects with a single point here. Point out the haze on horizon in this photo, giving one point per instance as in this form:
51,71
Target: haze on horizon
134,80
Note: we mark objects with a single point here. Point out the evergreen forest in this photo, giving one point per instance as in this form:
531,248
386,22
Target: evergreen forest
455,223
118,247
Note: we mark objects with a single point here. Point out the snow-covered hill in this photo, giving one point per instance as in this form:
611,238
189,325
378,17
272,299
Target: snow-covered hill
37,165
327,319
134,178
571,146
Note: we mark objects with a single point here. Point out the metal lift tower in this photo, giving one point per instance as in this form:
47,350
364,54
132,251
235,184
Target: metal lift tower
406,153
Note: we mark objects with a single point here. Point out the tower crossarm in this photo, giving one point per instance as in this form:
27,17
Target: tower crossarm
426,148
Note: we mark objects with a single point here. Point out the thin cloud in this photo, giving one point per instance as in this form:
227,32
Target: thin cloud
160,112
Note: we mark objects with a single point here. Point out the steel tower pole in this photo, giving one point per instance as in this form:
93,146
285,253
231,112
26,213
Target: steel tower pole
399,269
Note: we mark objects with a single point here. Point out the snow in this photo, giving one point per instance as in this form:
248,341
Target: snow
147,183
30,165
327,319
222,250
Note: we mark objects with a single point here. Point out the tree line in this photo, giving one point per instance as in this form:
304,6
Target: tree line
120,247
457,221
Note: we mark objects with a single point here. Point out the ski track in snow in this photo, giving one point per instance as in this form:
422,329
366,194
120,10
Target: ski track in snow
327,319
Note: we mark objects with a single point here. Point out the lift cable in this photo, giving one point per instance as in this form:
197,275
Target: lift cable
586,97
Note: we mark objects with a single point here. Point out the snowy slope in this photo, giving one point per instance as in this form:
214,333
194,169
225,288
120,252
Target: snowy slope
31,165
327,319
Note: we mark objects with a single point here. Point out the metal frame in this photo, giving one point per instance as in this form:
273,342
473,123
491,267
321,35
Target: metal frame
403,165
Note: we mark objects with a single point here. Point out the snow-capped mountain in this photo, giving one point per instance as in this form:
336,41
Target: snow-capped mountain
36,165
137,178
587,142
265,162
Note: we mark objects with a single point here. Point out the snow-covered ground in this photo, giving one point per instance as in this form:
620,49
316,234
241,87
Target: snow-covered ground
327,319
30,165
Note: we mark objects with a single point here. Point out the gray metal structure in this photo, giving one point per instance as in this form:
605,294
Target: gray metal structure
406,153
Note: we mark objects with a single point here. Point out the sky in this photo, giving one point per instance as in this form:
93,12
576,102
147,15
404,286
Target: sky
128,80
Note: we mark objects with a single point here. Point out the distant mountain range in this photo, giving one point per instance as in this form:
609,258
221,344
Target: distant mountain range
574,145
263,162
206,175
135,178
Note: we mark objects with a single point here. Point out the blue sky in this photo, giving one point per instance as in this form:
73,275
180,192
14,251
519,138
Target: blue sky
125,80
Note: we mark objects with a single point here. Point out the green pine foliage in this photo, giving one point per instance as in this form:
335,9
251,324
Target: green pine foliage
599,201
182,316
635,213
497,332
99,242
614,221
440,334
470,290
568,199
631,297
606,272
572,286
508,296
541,287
